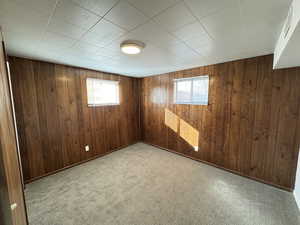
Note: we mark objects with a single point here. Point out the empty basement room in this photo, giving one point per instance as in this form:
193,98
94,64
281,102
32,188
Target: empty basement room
149,112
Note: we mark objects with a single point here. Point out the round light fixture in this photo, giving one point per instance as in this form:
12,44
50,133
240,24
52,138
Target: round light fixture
132,47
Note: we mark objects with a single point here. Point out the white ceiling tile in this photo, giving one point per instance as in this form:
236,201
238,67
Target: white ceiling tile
70,12
227,50
199,40
273,13
109,51
66,29
85,48
203,8
126,16
13,17
56,42
100,7
156,54
153,7
223,31
103,33
80,54
83,63
17,46
165,41
142,60
271,10
99,58
190,31
182,63
182,50
226,24
255,44
145,33
175,17
44,7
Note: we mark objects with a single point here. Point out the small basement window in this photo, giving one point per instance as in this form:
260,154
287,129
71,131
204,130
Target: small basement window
192,90
102,92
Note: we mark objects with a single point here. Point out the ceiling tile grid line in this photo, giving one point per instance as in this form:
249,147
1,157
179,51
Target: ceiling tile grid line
177,37
160,12
100,17
149,18
97,21
127,31
221,7
49,20
179,34
202,49
87,9
182,41
197,19
140,25
126,16
173,5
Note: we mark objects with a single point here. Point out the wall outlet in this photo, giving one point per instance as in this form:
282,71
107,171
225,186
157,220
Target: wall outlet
196,148
87,148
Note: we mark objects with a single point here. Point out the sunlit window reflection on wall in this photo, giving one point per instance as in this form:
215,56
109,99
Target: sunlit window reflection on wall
189,134
182,128
171,120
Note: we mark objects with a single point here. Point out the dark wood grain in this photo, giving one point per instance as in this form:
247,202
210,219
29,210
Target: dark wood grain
5,214
11,187
55,122
251,125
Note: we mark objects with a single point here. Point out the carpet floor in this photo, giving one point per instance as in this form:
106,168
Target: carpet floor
143,185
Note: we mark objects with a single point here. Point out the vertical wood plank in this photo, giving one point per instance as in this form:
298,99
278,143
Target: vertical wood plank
55,122
250,126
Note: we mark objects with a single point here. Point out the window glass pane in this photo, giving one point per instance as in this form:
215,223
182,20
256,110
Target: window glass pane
183,93
102,92
109,92
200,91
90,92
192,90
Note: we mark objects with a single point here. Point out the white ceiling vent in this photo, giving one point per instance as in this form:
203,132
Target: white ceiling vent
288,22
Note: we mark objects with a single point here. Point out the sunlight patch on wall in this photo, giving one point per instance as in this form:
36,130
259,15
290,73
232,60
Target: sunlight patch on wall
171,120
189,134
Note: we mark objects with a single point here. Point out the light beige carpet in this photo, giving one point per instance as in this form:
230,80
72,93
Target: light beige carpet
143,185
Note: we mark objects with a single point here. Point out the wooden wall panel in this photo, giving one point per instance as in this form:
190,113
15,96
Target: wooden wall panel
55,122
250,127
11,187
5,214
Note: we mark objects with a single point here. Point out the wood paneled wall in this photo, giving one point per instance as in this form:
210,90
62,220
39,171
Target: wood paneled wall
251,125
11,189
5,214
55,123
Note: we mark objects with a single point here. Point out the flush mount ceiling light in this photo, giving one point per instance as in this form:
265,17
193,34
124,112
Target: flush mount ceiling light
132,47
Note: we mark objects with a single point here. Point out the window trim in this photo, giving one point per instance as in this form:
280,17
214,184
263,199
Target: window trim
107,81
201,77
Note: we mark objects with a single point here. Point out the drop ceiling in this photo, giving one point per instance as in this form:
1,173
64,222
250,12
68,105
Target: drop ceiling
178,34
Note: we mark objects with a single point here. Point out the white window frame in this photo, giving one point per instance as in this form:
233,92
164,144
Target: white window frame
117,83
192,79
